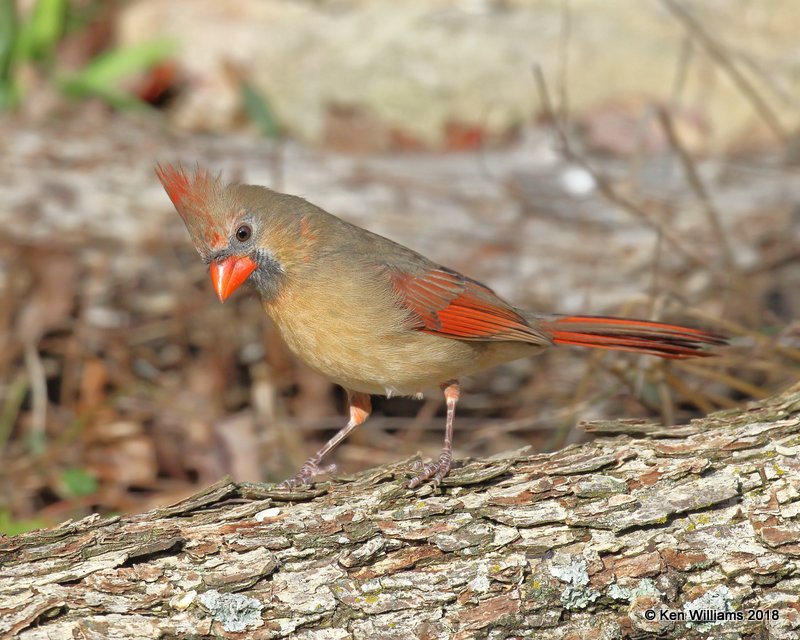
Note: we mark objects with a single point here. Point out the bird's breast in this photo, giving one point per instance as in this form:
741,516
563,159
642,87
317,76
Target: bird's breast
362,340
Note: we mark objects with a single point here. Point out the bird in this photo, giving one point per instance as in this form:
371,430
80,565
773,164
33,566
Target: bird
374,316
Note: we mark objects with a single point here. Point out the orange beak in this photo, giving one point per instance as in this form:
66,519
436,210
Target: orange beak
229,275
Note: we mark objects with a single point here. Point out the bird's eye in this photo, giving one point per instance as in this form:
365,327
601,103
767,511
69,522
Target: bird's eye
244,232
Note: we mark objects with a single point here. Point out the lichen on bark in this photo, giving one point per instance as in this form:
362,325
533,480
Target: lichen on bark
593,541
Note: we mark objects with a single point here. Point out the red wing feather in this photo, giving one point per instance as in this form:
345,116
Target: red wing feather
448,304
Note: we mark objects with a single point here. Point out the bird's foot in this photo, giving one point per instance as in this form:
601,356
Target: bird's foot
306,475
434,471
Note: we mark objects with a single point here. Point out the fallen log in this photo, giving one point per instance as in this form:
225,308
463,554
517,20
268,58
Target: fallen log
644,532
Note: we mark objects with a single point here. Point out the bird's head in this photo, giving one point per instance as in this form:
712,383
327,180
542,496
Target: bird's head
233,227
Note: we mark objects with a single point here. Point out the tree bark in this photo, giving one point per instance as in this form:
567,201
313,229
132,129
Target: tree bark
698,520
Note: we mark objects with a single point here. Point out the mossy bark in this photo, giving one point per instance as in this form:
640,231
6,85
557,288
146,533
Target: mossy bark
582,543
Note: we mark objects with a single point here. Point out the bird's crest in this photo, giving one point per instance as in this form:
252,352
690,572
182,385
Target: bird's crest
193,195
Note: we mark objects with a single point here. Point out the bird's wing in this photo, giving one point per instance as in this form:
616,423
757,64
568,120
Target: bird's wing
444,302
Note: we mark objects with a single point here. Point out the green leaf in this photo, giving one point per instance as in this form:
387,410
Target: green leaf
11,527
40,34
77,482
8,37
260,111
104,74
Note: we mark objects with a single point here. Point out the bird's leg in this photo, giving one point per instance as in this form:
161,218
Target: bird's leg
441,467
360,408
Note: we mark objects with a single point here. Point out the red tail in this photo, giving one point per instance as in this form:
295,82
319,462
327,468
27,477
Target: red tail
640,336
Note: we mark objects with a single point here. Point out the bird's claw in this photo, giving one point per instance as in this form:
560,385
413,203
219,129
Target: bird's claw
433,471
418,465
306,475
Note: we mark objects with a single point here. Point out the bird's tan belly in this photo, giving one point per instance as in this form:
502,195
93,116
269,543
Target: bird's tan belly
366,357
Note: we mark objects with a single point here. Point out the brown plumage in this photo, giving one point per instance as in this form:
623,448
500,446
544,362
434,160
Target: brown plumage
374,316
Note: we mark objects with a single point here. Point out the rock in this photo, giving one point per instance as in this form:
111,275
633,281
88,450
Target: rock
446,72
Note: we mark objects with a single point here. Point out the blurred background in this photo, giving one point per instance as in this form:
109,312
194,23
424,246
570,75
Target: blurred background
632,158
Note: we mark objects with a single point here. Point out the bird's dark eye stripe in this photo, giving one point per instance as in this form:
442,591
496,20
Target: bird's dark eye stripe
244,232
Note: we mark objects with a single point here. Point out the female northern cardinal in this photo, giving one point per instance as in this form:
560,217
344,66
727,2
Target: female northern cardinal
372,315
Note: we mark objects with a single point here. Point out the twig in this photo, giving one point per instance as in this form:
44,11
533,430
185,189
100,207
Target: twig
426,413
699,400
784,94
39,396
768,264
13,402
682,72
667,401
721,57
608,191
699,187
563,61
733,382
